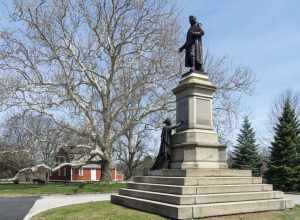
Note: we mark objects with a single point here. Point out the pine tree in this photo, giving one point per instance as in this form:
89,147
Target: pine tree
283,171
245,154
296,185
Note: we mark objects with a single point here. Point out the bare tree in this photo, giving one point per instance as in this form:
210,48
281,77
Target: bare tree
276,111
277,107
132,148
82,62
233,83
12,161
37,134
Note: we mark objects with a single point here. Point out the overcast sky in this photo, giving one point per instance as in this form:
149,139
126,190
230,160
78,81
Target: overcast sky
261,34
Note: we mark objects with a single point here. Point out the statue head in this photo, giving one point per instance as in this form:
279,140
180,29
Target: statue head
167,122
192,19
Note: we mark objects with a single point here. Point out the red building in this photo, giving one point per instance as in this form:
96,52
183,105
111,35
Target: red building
70,172
72,167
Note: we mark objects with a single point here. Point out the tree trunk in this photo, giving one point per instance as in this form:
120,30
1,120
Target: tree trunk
106,170
129,172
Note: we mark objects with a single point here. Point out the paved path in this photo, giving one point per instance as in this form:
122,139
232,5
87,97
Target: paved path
15,208
54,201
296,198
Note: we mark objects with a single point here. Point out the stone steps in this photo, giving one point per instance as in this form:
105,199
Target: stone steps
198,193
196,190
201,199
201,210
197,181
201,172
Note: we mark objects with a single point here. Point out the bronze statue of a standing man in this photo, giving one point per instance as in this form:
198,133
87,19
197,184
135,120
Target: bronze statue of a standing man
193,47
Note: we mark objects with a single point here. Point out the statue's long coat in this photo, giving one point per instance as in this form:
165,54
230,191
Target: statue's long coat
163,158
193,46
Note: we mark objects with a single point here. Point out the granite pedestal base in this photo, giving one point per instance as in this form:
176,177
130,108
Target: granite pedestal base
199,184
198,193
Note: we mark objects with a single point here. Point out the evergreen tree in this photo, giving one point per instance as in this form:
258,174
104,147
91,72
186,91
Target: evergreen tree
283,171
296,185
245,154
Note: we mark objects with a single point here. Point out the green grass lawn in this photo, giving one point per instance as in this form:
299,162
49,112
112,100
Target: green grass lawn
284,215
108,211
13,190
95,211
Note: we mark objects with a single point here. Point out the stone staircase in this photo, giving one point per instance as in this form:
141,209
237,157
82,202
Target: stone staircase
197,193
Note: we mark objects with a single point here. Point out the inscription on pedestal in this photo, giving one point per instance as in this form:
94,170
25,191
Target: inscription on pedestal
203,112
182,112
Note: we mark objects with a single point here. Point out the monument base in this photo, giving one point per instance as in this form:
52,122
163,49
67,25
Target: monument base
196,155
199,193
199,185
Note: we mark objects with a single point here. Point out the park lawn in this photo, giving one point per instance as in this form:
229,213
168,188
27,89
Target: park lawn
293,214
108,211
95,211
14,190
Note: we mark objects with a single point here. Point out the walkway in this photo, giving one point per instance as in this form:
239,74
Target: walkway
54,201
296,198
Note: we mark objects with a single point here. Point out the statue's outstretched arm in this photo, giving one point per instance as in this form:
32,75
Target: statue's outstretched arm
177,125
183,47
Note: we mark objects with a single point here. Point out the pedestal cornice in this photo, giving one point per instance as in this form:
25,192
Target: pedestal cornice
195,80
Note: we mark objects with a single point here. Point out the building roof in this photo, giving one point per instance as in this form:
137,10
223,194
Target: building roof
67,164
14,152
76,165
35,168
76,153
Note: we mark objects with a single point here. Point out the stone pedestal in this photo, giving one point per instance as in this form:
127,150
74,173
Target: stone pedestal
199,185
195,144
195,193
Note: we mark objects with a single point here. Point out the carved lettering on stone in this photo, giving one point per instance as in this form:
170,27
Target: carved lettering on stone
203,113
182,110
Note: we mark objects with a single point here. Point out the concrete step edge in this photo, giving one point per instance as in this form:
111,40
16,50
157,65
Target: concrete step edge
198,177
201,205
200,199
200,210
209,189
201,195
201,172
182,186
195,181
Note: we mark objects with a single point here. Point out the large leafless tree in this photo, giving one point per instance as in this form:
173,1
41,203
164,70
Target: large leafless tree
83,63
87,64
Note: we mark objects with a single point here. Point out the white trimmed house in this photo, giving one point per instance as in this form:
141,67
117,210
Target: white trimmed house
71,168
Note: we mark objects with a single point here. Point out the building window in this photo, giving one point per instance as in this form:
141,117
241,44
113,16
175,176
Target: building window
65,171
81,171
